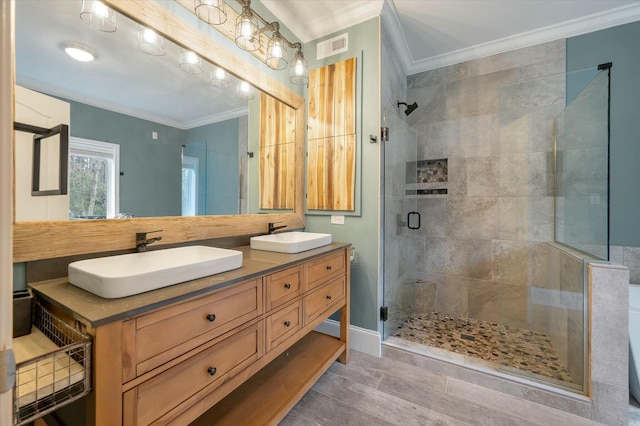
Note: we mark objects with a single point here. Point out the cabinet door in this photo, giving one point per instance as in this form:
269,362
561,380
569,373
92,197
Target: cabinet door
206,370
169,332
323,299
284,286
283,324
323,269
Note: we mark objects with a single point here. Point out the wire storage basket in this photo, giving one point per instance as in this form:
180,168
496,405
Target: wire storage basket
53,367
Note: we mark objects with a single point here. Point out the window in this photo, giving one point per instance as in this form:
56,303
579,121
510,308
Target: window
93,179
189,186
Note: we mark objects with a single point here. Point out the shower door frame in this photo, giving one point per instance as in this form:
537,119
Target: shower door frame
398,292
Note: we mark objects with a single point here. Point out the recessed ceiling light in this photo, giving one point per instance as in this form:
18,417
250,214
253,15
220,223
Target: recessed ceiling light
79,52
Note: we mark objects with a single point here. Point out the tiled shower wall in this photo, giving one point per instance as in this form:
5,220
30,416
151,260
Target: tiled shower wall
557,307
480,248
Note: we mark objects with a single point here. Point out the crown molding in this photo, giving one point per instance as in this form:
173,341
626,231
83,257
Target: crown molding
121,109
587,24
354,13
392,23
216,118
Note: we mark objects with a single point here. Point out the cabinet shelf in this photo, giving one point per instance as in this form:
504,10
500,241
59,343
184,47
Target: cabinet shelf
274,390
52,365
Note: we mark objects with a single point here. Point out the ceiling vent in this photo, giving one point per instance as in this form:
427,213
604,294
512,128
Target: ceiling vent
333,46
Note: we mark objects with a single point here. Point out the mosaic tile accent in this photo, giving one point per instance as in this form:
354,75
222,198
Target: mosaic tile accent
427,171
512,347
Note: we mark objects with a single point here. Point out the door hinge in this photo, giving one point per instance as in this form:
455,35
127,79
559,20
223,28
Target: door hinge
384,313
7,370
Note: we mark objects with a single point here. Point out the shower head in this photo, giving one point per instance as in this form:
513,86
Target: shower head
410,108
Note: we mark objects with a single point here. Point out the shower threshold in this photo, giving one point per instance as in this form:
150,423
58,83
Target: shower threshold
486,345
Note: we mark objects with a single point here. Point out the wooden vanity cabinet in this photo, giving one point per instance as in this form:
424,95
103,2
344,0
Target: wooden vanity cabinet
160,336
181,363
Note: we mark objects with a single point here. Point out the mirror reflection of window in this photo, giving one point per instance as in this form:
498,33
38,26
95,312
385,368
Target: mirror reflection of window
93,179
189,186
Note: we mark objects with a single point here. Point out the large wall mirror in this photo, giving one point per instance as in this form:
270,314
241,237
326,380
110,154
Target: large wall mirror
154,142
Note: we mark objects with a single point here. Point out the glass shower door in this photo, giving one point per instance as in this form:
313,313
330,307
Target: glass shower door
401,245
582,168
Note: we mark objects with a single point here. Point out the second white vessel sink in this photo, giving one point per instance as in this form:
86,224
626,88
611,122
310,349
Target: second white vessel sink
290,242
129,274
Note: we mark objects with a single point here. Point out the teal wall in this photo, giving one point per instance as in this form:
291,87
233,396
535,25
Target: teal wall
153,167
620,46
216,146
150,181
362,231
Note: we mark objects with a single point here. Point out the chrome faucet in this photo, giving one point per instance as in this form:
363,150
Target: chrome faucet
273,228
142,242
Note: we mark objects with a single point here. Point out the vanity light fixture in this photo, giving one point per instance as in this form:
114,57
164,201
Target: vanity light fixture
190,62
247,32
212,12
299,68
150,42
276,49
245,91
95,14
248,35
220,78
78,51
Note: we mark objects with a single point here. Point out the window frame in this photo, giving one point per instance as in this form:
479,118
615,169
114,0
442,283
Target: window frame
106,150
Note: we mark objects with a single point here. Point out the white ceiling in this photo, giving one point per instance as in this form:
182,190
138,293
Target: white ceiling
122,78
432,33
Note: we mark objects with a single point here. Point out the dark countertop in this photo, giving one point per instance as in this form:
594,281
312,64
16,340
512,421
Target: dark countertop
95,311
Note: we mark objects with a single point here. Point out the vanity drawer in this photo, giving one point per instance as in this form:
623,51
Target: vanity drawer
283,324
169,332
283,286
326,297
208,369
324,268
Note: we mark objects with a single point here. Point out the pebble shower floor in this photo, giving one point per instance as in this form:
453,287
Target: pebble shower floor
512,347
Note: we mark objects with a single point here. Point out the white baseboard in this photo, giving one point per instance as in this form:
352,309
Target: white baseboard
361,339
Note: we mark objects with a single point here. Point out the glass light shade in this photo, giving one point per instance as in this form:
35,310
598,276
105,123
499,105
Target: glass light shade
277,53
247,33
150,42
212,12
79,52
299,69
220,78
190,62
245,91
95,14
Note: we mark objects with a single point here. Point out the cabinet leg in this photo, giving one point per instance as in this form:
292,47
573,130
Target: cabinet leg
344,333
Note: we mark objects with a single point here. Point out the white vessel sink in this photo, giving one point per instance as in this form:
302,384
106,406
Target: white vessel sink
290,242
129,274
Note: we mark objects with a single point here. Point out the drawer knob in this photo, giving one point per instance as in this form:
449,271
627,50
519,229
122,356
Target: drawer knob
328,267
287,286
287,323
328,297
212,370
211,317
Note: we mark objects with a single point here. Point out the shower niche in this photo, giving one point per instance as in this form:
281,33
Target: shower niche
427,178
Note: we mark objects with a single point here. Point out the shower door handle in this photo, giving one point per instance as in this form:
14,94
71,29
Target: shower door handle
411,223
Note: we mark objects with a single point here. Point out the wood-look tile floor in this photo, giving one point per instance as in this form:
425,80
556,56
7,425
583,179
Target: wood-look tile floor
383,391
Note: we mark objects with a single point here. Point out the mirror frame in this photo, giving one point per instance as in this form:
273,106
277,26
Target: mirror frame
51,239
